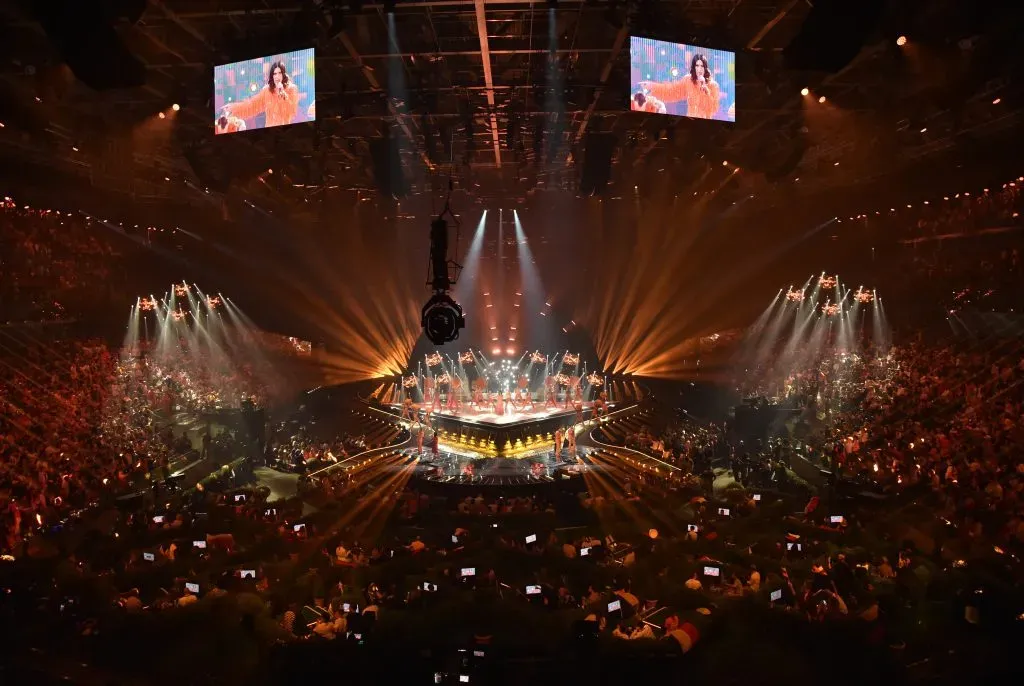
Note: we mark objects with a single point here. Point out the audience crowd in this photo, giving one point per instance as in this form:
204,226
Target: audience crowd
51,264
653,545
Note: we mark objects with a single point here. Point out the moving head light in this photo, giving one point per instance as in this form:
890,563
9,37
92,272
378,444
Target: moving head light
442,317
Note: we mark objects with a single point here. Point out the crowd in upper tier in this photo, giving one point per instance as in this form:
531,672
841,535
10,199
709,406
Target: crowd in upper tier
53,263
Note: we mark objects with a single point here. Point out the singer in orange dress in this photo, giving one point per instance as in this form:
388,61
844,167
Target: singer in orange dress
698,88
279,99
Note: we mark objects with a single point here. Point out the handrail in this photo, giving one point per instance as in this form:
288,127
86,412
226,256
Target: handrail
637,452
357,455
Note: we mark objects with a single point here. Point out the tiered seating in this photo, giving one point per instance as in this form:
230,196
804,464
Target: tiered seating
618,428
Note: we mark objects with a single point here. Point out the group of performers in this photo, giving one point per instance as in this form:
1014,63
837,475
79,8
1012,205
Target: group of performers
500,403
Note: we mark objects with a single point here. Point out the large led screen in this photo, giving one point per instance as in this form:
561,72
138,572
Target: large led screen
266,91
681,80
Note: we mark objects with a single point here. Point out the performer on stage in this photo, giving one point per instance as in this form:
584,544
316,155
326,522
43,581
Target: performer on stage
600,405
279,99
478,393
453,395
419,442
428,390
572,389
499,405
435,445
523,397
550,393
579,412
558,442
698,88
572,442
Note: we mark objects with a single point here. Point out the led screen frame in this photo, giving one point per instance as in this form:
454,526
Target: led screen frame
662,80
245,100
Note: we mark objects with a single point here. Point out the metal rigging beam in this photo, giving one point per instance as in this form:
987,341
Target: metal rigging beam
485,57
375,85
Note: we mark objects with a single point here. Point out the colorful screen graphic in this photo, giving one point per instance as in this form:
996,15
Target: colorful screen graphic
681,80
266,91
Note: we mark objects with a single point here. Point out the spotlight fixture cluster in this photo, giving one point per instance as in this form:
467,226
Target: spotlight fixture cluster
863,296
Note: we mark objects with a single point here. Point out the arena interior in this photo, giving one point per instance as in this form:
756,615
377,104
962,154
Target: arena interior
511,341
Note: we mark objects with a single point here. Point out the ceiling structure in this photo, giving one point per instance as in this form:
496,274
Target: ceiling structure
501,94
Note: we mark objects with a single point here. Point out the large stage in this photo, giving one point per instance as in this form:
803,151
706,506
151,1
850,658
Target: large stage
512,434
487,417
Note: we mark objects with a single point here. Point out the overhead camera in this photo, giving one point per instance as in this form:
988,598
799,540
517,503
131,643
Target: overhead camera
442,317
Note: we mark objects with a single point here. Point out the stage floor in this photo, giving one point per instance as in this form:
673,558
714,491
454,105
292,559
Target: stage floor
485,418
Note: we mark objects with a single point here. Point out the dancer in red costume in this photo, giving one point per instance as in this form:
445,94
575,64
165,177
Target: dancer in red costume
419,442
558,442
499,405
572,442
550,394
601,405
572,389
478,393
523,396
453,395
428,390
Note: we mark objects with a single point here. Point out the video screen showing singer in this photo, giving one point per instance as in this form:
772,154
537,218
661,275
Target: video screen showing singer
682,80
283,93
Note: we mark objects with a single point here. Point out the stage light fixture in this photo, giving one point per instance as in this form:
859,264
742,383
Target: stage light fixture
901,41
176,107
822,100
805,91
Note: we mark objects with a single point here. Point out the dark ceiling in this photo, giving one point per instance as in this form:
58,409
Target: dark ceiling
492,110
699,222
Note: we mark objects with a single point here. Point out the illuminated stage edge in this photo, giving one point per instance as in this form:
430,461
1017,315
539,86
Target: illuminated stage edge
519,434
